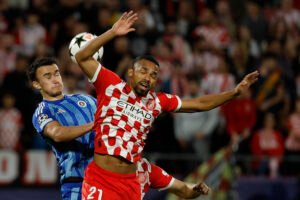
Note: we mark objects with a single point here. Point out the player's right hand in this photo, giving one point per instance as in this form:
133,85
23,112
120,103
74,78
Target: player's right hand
124,23
201,188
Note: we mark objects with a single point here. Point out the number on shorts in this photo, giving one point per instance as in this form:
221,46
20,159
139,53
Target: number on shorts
92,191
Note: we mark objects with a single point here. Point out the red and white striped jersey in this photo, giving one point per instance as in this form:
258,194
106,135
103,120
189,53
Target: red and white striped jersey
123,119
152,176
218,36
10,128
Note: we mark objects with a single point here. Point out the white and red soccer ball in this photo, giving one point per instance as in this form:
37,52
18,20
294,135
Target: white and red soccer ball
79,41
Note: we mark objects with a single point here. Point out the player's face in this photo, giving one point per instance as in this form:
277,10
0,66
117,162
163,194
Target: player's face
49,81
143,77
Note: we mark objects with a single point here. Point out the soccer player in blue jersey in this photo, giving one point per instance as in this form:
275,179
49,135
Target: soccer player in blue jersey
65,122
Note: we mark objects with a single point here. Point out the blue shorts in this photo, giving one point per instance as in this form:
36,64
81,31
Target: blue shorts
71,191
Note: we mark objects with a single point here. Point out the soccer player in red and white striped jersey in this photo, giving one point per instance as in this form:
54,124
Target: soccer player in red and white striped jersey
126,112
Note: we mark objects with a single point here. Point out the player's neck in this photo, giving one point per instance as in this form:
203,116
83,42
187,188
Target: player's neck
51,98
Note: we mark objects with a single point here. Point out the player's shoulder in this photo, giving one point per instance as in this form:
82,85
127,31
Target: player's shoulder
42,111
41,108
84,97
165,96
144,165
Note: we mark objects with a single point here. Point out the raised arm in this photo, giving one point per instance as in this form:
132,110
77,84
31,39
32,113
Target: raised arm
84,57
60,133
189,191
209,102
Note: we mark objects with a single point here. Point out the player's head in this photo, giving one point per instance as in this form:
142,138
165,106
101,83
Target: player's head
143,74
45,76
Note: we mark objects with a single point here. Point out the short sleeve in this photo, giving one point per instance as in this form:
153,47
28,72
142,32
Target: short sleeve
41,118
169,102
103,78
160,179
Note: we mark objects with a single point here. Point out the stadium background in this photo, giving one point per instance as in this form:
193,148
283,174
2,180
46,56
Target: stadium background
202,45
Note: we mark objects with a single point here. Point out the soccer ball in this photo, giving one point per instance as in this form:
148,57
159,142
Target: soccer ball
79,41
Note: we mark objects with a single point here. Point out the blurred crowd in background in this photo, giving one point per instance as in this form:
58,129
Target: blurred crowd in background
203,46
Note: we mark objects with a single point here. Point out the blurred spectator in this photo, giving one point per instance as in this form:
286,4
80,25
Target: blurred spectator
30,34
71,85
269,90
115,8
224,15
104,19
145,15
3,19
121,50
10,123
178,83
279,30
290,15
215,34
219,81
240,119
204,57
292,142
42,50
245,39
178,43
141,39
267,143
298,85
255,21
43,9
185,17
16,82
7,55
194,130
163,53
242,62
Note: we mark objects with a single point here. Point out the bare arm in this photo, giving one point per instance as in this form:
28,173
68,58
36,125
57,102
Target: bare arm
84,57
189,191
60,133
209,102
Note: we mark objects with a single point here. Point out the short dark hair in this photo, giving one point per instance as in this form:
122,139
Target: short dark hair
146,57
31,73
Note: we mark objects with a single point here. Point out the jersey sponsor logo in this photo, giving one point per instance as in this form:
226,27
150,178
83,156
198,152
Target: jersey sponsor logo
134,111
42,117
81,103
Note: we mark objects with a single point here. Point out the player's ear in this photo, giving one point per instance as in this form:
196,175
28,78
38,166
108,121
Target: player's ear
130,72
36,85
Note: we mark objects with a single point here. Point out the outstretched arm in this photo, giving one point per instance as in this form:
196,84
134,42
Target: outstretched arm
189,191
60,133
84,57
209,102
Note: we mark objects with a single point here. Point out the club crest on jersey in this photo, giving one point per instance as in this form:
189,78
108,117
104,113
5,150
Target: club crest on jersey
169,96
42,118
150,104
143,178
81,103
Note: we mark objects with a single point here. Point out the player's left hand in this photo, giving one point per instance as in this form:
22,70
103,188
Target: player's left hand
201,188
124,23
248,80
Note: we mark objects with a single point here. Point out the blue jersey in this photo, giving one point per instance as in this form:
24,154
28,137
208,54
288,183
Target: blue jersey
73,110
